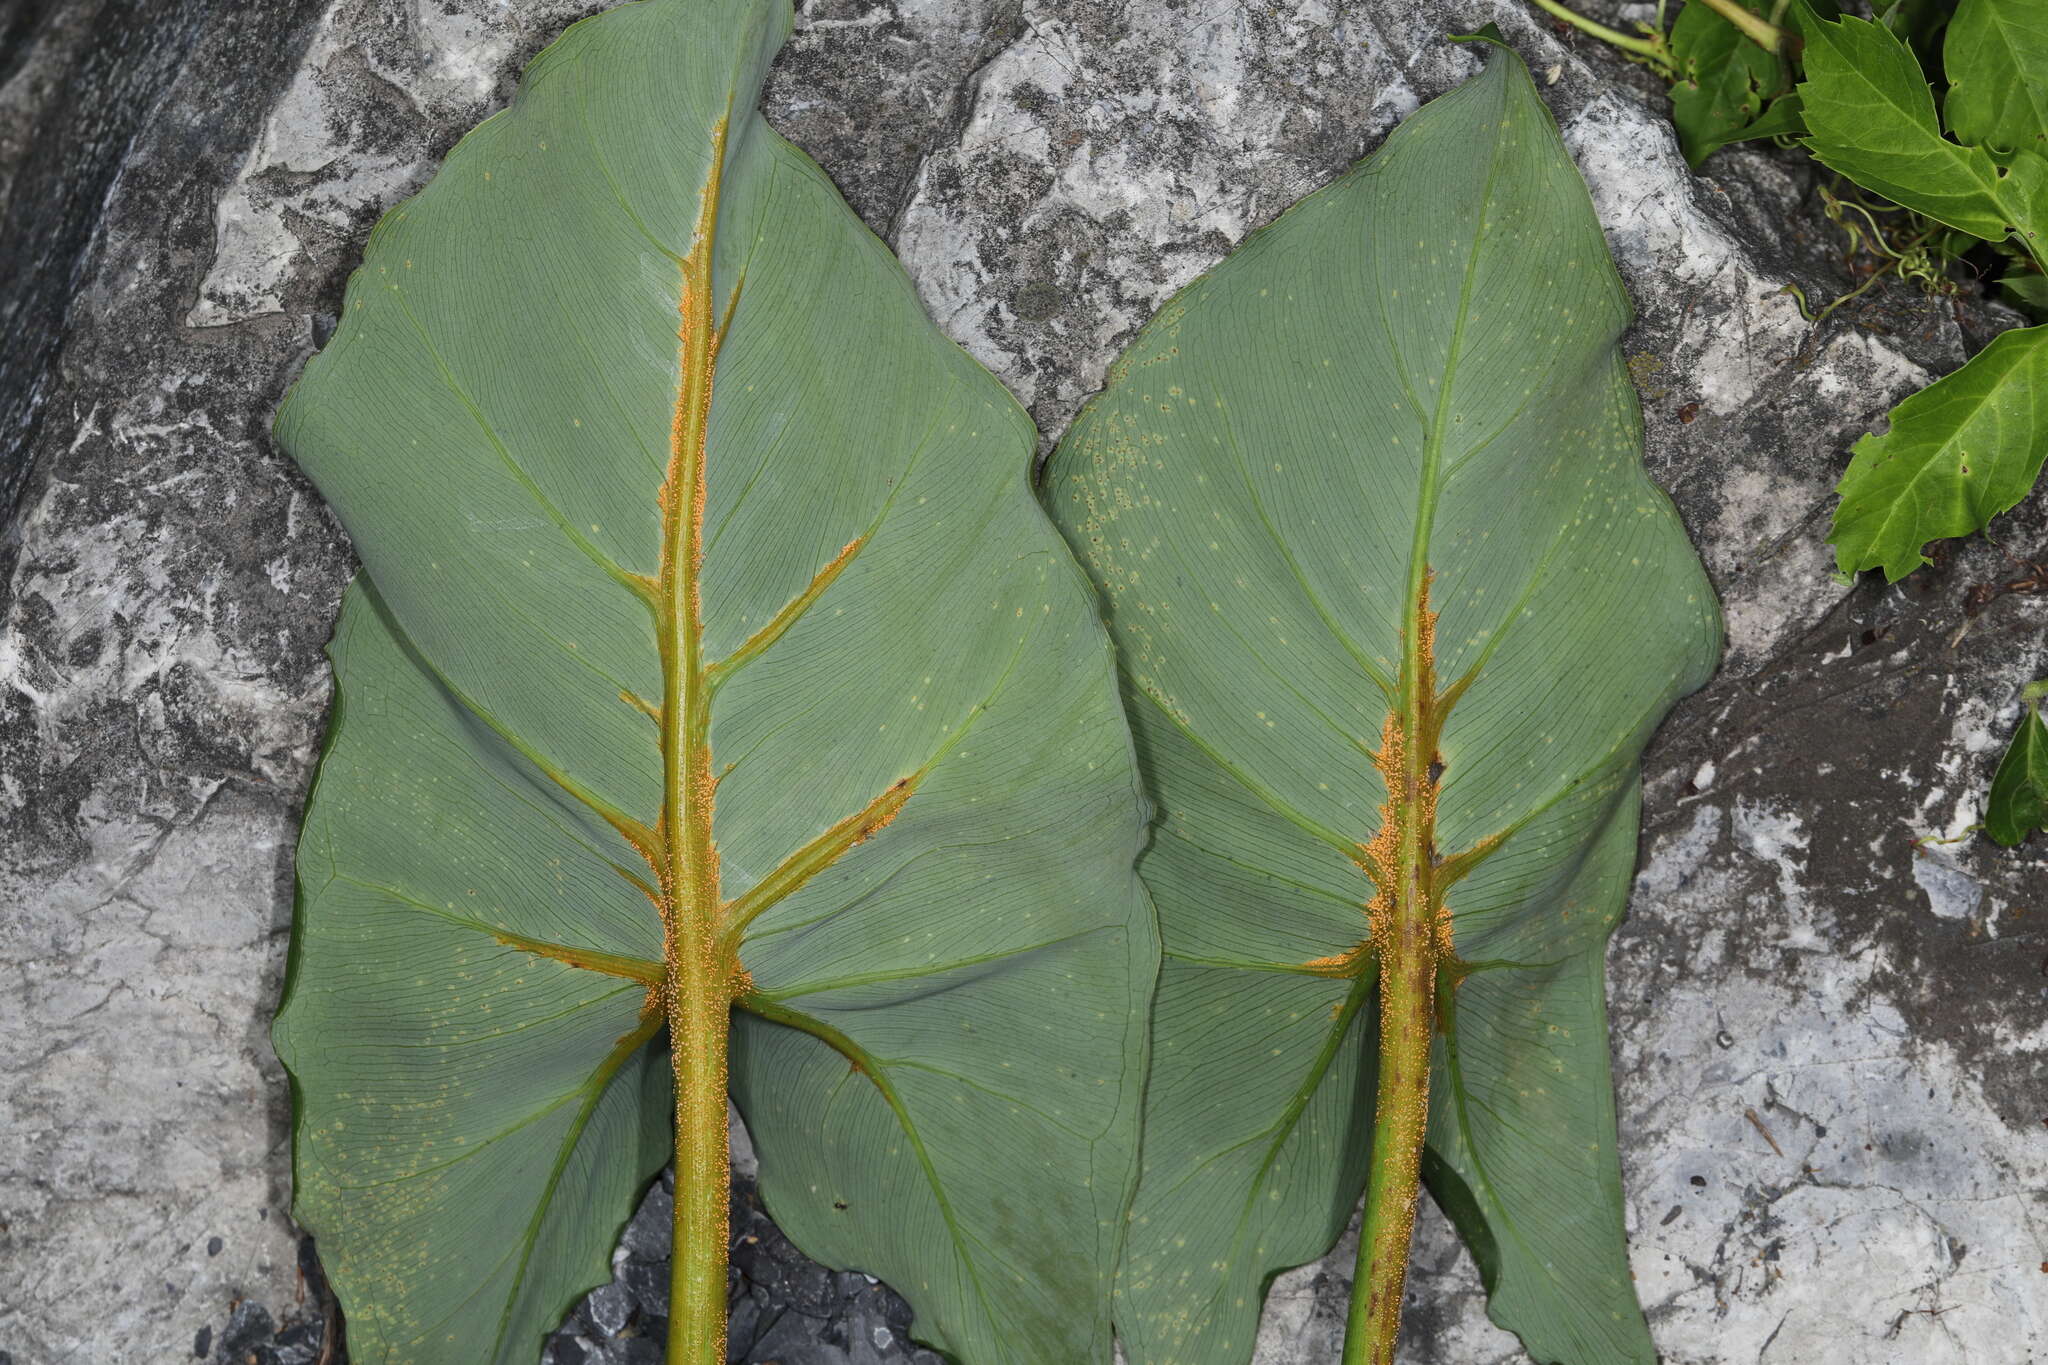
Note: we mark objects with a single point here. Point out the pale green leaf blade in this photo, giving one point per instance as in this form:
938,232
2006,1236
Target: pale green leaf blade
2018,801
950,1101
1259,1103
435,1062
1870,116
1959,452
1996,59
918,787
1380,382
1522,1120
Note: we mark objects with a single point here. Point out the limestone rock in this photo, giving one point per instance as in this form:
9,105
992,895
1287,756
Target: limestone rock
1830,1043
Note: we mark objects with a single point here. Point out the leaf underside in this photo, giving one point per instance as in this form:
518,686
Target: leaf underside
1397,414
919,789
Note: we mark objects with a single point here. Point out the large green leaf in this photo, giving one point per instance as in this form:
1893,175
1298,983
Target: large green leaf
705,591
1870,116
1408,386
1959,452
1996,55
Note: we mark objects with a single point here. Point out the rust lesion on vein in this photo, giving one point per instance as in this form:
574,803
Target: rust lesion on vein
1410,943
639,969
1409,911
694,987
779,625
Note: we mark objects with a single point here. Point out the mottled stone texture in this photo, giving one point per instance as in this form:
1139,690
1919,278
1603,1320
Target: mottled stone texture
1830,1045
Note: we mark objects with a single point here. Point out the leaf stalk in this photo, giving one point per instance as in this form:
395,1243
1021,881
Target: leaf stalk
699,1031
702,975
1407,1014
1410,938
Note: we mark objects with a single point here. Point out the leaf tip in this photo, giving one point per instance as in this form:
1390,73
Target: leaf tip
1487,33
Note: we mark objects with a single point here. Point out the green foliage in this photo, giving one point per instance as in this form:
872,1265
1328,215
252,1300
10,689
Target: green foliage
1958,453
1918,23
1372,396
1728,87
2018,803
1971,445
1870,116
2030,291
1997,64
926,806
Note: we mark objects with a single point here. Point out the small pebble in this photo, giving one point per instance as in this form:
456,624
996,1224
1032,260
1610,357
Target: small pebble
249,1326
608,1308
649,1283
566,1350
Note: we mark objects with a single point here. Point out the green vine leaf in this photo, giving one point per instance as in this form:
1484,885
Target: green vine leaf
1958,453
712,657
1918,23
1396,608
2031,292
1996,55
1870,116
2018,804
1724,82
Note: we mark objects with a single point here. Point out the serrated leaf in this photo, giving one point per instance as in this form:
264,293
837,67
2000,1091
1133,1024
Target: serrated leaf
1724,81
712,651
1996,55
2018,803
1870,116
1959,452
1408,387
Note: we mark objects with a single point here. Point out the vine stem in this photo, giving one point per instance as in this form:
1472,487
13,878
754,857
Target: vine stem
1752,26
1650,49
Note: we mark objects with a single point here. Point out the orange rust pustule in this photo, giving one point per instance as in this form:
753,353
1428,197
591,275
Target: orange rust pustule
1410,939
1411,768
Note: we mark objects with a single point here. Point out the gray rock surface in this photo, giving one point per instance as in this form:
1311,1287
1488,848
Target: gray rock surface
1832,1046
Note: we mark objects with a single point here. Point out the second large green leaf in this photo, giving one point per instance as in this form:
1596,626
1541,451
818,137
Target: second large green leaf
1388,450
714,659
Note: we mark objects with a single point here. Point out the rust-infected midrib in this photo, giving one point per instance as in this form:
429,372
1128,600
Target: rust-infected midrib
697,987
693,988
1409,942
